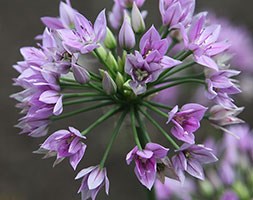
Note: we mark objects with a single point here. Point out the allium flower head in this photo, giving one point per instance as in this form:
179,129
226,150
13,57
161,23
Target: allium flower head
66,144
190,158
186,121
93,179
146,162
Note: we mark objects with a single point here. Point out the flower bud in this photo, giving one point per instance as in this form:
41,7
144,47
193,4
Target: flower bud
110,60
81,75
110,41
108,83
138,23
126,35
119,80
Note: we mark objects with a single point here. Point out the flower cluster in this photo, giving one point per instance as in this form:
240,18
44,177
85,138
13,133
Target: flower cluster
135,64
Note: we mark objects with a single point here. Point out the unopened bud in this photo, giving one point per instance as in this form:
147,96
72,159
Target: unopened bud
81,75
110,41
110,60
108,83
126,35
138,23
119,80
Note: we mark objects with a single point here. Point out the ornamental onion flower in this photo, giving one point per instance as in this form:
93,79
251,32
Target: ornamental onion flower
131,67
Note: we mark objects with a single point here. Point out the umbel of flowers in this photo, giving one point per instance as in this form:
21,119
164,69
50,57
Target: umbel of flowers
136,63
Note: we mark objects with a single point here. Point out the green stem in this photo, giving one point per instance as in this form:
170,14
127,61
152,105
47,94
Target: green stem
95,76
198,76
136,138
159,105
96,87
160,129
151,194
85,94
103,62
67,80
113,137
163,114
155,90
76,112
184,55
143,127
85,100
171,71
101,119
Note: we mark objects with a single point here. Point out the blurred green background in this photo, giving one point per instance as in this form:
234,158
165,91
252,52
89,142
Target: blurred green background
25,176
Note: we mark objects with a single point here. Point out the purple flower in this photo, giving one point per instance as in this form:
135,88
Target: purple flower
146,66
204,42
174,12
66,144
40,98
186,121
172,188
66,19
238,36
229,195
93,179
146,162
191,157
85,37
221,116
220,86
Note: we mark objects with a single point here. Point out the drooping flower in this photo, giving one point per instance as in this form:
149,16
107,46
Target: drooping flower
191,157
85,37
175,12
186,121
221,116
146,162
146,66
65,144
165,169
220,86
204,42
93,179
